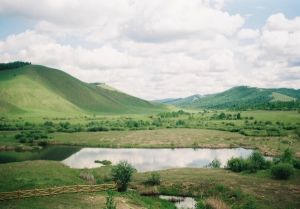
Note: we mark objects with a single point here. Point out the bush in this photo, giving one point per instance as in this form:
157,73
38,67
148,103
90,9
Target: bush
282,171
154,179
214,164
256,161
43,143
180,123
122,174
200,205
287,156
110,204
296,163
237,164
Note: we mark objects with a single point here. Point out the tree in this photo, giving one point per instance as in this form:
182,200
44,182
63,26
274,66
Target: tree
122,174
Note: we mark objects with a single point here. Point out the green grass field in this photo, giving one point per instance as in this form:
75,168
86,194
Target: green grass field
35,100
170,138
186,181
274,116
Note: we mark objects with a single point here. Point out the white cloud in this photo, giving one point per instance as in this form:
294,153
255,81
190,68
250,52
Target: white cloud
157,21
155,49
247,33
280,22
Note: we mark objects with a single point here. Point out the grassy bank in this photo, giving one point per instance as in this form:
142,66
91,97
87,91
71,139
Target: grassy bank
93,201
266,191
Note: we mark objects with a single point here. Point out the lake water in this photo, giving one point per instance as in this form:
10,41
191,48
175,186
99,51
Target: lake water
154,159
57,153
180,202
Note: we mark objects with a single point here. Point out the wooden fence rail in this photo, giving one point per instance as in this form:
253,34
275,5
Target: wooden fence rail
55,190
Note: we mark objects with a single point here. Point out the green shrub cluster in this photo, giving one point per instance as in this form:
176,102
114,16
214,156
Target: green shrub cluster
214,164
31,136
253,163
154,179
281,168
122,174
282,171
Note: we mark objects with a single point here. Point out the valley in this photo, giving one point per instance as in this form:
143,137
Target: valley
226,152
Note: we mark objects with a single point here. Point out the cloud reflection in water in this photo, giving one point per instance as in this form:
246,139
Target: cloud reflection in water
153,159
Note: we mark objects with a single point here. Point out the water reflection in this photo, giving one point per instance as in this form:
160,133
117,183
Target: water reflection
153,159
180,202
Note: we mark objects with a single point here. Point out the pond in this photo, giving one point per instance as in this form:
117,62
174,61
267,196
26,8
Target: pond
57,153
180,202
154,159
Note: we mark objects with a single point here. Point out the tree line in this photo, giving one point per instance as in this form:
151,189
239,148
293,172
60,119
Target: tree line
13,65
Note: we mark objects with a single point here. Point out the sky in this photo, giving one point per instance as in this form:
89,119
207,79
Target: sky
160,48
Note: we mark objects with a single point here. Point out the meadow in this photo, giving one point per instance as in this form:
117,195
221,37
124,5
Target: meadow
235,189
28,138
269,131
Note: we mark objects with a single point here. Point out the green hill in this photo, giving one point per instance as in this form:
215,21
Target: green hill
242,97
37,89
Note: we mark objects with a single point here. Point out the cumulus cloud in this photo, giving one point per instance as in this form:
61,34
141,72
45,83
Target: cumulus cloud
155,49
247,33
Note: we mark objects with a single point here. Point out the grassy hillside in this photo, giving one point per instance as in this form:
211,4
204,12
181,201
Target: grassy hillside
37,89
243,97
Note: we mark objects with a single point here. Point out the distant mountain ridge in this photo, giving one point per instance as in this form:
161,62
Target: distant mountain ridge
41,90
241,97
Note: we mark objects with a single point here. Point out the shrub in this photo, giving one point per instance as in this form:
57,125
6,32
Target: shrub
296,163
122,174
200,205
180,123
214,164
98,128
256,161
287,156
43,143
110,204
22,140
237,164
282,171
154,179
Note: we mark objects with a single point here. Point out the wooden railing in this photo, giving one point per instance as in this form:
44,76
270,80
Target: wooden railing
54,191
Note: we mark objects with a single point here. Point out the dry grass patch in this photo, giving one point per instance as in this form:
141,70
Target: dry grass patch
215,203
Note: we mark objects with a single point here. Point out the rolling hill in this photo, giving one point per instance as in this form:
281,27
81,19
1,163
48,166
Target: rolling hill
36,89
241,97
